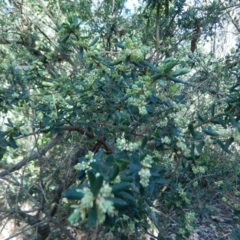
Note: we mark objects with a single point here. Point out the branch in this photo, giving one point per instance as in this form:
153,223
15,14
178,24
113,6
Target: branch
100,141
158,32
46,11
32,157
230,16
178,80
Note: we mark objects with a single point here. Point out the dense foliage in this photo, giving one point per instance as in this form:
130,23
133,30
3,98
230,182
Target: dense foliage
115,118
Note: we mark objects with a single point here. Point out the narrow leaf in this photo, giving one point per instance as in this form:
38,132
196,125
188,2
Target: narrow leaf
156,77
93,42
212,109
229,142
127,179
176,80
81,53
127,197
92,179
115,172
202,119
210,132
92,216
162,181
144,142
119,203
120,45
200,147
97,185
12,143
179,72
99,154
221,145
151,66
191,129
120,187
73,194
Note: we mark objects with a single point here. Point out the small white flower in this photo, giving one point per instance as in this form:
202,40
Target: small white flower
144,174
143,110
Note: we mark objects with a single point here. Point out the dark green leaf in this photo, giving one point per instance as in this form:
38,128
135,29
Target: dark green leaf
212,108
151,66
120,45
200,147
161,181
118,203
202,119
92,216
191,129
93,42
192,152
156,77
120,187
229,142
144,142
109,160
97,185
179,72
12,143
81,53
99,154
97,58
10,122
210,132
176,80
127,197
92,179
115,63
127,179
115,172
223,146
4,143
64,39
73,194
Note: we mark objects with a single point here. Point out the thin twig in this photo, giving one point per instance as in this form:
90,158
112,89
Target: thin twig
158,32
46,11
32,157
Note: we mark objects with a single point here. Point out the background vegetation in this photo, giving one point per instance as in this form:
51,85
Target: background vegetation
119,123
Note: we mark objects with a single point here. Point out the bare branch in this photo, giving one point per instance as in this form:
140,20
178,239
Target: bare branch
32,157
158,32
46,11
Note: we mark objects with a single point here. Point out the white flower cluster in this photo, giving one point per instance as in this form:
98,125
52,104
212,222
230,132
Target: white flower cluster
139,102
81,210
52,102
189,219
166,140
85,165
134,48
181,145
198,169
144,173
183,194
103,206
123,144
